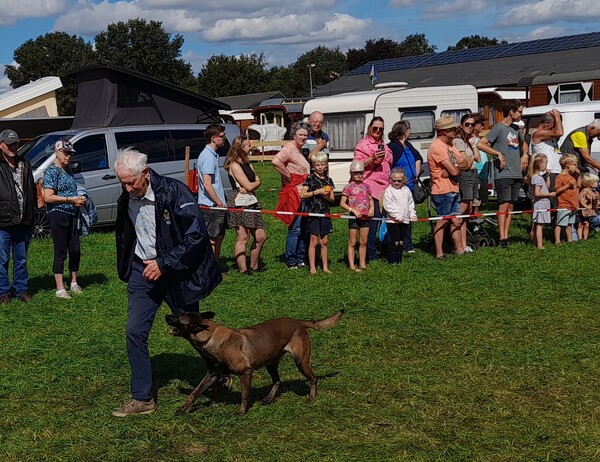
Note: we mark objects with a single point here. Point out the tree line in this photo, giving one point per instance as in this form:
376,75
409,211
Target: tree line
144,46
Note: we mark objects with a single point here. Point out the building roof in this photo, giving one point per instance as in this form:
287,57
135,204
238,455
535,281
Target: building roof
499,65
249,101
28,92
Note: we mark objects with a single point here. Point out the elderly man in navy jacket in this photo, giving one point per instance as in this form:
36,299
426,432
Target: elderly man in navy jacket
164,254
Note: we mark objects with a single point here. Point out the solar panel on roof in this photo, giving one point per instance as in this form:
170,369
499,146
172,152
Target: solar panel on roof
548,45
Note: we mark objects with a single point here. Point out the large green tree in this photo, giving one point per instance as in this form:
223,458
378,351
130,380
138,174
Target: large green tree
233,75
476,41
385,48
53,54
294,81
145,46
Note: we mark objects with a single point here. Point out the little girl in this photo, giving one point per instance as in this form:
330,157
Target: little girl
399,204
588,200
358,201
538,191
317,192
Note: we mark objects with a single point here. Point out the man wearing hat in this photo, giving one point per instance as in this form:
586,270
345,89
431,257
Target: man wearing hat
445,164
506,143
17,205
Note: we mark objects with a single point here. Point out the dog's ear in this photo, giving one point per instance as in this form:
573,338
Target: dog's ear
207,314
171,320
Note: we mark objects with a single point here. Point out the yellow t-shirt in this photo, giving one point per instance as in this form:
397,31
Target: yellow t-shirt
579,140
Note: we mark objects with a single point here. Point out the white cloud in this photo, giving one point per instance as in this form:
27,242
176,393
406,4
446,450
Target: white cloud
90,18
451,9
542,33
14,10
289,29
4,81
403,3
551,11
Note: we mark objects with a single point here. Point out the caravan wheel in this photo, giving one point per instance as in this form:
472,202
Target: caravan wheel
41,227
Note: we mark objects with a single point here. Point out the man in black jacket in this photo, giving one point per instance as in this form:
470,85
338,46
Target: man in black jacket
17,205
164,254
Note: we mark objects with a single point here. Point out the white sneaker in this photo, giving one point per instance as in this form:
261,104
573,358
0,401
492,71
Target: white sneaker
76,288
469,249
62,293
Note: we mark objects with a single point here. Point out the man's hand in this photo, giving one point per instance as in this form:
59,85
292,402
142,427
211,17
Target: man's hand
152,271
321,144
502,162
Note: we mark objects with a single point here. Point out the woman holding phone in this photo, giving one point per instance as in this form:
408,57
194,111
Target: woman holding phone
377,159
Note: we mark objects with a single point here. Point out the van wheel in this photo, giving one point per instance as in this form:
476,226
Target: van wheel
41,227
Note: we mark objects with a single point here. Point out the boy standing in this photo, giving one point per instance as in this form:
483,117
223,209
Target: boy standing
210,189
566,186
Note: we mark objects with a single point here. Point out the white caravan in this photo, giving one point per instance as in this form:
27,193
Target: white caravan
347,116
574,115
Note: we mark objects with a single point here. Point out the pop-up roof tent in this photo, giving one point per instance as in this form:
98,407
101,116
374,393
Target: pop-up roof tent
112,96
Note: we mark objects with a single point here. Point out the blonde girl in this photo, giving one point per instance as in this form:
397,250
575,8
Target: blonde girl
588,201
539,182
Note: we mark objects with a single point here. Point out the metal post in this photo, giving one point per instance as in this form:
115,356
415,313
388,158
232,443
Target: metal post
310,66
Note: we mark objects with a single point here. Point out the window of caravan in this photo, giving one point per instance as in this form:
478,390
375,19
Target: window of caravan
421,123
91,153
152,143
456,114
344,130
192,138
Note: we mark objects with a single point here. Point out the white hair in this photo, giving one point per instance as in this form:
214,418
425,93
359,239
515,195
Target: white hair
131,159
595,124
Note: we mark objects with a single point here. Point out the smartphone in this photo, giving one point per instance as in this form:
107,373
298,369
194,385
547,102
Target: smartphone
381,147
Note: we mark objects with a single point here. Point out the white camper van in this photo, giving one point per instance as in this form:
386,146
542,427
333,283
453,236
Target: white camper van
574,115
347,116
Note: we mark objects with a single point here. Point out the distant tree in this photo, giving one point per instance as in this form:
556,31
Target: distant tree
415,45
145,46
476,41
296,79
53,54
374,50
233,75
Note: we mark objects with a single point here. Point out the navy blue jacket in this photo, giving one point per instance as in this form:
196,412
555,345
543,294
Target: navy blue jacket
184,253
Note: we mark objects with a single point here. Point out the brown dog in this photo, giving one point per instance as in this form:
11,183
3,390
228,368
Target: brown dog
241,351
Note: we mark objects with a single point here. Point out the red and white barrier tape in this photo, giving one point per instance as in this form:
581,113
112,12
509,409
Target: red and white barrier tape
352,217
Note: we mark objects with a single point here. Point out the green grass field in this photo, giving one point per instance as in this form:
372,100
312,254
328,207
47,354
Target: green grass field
492,356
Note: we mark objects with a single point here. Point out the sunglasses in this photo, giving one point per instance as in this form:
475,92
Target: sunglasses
469,124
397,181
357,173
377,129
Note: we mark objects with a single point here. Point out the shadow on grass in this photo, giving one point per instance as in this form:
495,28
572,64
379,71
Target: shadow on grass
191,369
46,282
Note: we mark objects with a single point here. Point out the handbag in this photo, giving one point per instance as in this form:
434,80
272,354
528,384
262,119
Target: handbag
420,191
244,200
41,200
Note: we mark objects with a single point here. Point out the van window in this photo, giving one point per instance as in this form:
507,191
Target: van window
192,138
39,149
456,114
91,153
152,143
421,124
344,130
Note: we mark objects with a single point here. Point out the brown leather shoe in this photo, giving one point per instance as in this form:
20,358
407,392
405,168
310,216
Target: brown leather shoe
25,297
4,299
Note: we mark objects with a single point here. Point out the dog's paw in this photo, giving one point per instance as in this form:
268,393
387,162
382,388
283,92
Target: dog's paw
181,411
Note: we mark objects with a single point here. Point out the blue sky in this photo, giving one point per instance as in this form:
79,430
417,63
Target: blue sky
285,31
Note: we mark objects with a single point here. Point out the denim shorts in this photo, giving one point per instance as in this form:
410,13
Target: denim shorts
565,217
446,204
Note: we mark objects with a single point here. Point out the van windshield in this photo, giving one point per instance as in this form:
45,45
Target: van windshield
39,149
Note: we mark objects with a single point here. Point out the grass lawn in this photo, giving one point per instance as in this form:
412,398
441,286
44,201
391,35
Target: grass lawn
493,356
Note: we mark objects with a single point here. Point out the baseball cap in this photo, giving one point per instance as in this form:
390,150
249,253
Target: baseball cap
64,145
9,136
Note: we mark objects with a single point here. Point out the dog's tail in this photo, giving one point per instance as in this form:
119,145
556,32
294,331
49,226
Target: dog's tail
324,323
